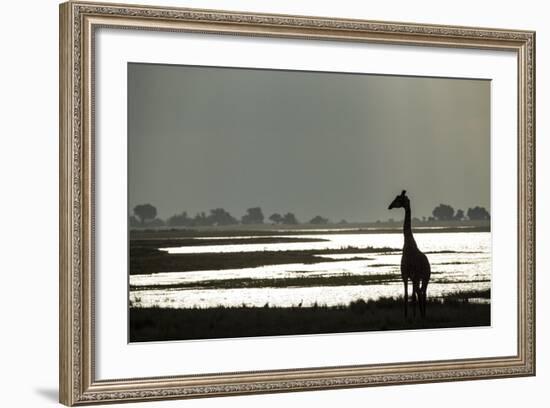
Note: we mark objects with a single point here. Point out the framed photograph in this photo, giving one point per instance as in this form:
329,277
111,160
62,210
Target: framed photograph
258,203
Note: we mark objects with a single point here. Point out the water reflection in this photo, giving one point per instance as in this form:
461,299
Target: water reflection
460,262
441,241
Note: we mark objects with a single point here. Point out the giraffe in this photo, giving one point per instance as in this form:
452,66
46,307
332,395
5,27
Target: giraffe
414,264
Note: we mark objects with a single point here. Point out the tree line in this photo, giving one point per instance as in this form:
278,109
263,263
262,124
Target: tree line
146,215
444,212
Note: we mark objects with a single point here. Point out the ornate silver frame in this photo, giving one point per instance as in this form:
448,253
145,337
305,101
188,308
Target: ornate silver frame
78,22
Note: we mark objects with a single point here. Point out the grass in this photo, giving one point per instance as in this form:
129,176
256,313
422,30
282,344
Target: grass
465,295
145,258
295,282
156,324
240,283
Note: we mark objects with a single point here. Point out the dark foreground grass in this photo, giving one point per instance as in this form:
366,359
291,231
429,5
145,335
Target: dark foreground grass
156,324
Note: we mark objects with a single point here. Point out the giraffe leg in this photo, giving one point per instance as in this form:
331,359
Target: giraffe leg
415,295
406,295
421,303
423,291
424,301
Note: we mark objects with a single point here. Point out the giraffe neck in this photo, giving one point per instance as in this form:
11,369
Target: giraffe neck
407,230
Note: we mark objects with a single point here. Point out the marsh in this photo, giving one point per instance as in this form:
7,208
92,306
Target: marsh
323,271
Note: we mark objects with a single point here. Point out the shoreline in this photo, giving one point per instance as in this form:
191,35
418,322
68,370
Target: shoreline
298,230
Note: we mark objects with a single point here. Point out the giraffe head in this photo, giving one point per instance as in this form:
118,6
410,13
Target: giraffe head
401,201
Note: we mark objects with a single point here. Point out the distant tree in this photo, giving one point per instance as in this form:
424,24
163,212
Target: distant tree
318,220
443,212
290,219
157,222
423,218
133,221
219,216
430,219
276,218
180,220
201,220
145,212
459,216
478,213
416,220
343,221
253,216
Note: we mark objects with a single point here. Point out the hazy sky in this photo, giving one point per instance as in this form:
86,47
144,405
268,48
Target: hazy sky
338,145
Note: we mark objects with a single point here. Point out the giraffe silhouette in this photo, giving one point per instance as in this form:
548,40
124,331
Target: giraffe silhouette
414,264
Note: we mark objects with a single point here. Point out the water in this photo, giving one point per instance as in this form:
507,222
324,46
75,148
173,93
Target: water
467,268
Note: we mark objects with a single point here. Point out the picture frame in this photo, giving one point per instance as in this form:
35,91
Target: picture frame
79,185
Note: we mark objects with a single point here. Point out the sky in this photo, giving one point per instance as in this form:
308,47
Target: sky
338,145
